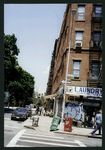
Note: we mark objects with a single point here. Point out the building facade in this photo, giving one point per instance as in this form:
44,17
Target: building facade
51,72
84,81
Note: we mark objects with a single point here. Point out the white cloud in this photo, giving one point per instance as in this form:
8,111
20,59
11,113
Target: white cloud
47,70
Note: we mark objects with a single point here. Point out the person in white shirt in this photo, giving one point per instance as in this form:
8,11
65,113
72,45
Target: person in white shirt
98,121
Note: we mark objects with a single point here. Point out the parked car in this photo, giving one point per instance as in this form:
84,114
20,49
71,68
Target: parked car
28,107
19,113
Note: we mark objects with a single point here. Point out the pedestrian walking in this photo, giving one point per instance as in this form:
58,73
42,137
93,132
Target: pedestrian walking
37,110
45,108
98,122
40,110
43,112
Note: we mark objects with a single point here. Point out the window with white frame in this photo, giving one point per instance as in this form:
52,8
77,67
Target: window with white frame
79,38
76,68
81,12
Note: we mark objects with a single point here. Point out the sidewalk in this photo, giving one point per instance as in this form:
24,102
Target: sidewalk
45,123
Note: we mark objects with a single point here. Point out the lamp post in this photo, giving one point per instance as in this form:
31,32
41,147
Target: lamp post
63,107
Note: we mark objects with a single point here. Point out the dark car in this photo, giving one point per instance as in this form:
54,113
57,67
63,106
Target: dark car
28,107
19,113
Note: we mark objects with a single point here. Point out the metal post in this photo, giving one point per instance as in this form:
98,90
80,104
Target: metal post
63,107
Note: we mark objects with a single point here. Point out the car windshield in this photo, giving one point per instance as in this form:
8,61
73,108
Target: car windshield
21,110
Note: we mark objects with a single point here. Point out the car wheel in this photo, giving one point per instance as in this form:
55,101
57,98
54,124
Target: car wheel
11,118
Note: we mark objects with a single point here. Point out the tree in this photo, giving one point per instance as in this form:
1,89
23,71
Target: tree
10,60
18,82
23,86
40,102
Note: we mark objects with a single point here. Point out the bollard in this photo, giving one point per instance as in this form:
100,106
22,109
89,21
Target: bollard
35,120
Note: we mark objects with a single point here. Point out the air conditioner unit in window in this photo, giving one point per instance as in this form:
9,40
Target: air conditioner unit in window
76,76
78,44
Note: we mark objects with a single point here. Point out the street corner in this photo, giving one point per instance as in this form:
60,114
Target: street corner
29,127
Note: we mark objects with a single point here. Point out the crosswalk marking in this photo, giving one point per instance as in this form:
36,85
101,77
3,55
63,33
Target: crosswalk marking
18,146
80,143
47,143
48,139
14,140
41,135
38,138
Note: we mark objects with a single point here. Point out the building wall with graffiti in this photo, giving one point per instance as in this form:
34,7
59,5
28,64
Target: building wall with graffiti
74,111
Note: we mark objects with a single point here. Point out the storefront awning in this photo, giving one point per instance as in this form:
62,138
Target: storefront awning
49,96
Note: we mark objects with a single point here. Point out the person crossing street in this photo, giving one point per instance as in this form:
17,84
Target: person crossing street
98,121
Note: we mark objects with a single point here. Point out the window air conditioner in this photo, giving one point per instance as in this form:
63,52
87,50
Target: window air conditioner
78,45
76,76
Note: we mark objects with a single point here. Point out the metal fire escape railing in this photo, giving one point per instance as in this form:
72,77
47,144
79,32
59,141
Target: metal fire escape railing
96,17
96,44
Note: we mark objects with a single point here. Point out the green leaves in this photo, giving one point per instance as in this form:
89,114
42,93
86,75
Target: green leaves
18,82
10,44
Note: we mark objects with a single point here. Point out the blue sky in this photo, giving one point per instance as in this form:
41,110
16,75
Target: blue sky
36,26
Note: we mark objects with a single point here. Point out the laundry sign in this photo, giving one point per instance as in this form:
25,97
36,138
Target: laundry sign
84,91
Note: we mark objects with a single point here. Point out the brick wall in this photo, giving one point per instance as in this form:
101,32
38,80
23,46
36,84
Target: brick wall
82,54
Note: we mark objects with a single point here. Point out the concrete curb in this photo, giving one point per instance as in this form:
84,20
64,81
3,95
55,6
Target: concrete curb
61,132
90,136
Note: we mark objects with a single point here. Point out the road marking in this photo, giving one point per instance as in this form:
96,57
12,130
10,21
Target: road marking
48,139
15,138
12,127
47,143
7,118
18,146
80,143
43,135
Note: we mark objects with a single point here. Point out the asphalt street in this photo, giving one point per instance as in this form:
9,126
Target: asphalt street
32,138
11,128
15,135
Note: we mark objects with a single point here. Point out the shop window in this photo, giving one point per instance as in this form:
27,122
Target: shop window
95,70
76,69
79,38
98,11
81,13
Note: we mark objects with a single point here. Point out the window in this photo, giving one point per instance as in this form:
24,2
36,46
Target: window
98,11
79,38
81,13
95,70
76,68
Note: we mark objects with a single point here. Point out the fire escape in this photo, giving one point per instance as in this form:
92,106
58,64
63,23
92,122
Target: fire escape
95,52
49,84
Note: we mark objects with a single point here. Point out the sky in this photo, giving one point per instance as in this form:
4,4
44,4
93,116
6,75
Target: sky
36,27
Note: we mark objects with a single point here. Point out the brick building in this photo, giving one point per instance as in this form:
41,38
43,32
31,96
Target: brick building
85,63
